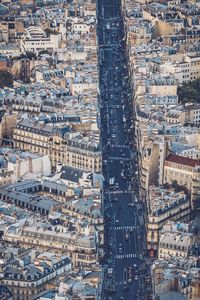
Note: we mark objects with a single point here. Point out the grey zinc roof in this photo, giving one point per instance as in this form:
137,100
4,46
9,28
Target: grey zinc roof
26,184
85,206
178,147
55,185
33,200
71,174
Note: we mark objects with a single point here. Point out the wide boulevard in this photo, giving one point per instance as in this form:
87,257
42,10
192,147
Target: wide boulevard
124,268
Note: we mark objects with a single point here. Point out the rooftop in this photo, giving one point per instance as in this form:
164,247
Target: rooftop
161,200
183,160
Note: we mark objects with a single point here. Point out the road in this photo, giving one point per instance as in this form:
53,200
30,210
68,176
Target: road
123,211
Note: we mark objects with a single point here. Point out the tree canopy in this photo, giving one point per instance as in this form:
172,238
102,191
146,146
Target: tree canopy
190,91
6,79
28,55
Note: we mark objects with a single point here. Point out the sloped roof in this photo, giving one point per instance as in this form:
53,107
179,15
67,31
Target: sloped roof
183,160
71,174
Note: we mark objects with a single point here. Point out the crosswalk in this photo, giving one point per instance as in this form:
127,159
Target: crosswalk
125,227
120,146
119,283
120,192
119,158
129,255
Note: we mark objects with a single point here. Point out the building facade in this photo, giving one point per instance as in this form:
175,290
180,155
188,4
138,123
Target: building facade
35,40
185,172
163,206
75,151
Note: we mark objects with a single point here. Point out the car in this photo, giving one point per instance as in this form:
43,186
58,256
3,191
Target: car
130,280
130,275
130,270
126,236
115,200
120,250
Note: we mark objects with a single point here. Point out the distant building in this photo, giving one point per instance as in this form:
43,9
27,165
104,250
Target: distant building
193,112
7,124
3,63
84,287
152,153
175,241
164,205
34,273
81,245
74,150
186,172
176,277
25,70
35,40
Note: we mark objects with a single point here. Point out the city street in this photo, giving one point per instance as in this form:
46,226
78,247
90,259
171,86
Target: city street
124,228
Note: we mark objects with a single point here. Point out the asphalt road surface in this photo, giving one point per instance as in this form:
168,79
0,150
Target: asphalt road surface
123,212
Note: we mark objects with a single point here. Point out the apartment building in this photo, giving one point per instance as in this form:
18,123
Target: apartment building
88,286
164,205
75,150
183,67
193,113
152,153
176,115
174,241
32,274
162,86
33,137
80,246
7,125
177,277
184,114
71,224
186,172
87,209
192,34
3,63
138,35
194,61
5,176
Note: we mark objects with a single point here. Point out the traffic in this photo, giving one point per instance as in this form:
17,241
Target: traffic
124,266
